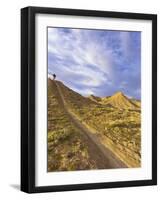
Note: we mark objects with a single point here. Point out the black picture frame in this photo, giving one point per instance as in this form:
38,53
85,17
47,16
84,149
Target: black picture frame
28,98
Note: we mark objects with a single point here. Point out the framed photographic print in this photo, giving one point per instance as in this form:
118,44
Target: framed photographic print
88,99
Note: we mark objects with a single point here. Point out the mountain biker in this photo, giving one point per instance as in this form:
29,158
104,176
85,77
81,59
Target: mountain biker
54,76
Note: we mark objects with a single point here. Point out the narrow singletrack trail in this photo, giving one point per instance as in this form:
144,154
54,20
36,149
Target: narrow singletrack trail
104,158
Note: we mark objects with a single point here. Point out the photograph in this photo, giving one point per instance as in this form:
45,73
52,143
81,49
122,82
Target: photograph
89,99
93,99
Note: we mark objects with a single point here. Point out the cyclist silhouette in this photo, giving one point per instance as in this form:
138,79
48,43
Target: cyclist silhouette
54,76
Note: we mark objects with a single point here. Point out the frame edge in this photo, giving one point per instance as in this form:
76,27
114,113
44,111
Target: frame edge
154,99
24,100
27,101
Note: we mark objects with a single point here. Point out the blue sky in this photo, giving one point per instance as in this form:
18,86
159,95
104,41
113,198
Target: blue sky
98,62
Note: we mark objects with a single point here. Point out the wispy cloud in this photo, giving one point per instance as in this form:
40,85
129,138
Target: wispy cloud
94,61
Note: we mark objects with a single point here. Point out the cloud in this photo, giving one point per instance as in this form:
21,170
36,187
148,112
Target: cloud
89,60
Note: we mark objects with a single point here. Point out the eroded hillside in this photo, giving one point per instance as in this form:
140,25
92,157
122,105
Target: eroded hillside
116,119
66,148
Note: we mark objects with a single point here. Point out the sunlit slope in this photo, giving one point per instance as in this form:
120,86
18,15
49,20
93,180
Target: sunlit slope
66,149
119,100
136,102
116,119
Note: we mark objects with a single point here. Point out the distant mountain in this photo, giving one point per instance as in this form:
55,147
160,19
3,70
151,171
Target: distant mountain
118,100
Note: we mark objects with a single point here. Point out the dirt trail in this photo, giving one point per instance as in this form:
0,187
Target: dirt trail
103,157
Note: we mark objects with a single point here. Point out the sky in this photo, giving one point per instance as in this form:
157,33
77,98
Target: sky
97,62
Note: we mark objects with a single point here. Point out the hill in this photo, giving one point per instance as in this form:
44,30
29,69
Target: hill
66,148
73,96
115,119
119,100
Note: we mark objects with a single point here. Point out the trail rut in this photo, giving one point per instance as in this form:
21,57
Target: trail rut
103,157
